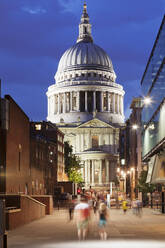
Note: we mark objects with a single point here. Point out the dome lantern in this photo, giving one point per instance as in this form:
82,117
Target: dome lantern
85,27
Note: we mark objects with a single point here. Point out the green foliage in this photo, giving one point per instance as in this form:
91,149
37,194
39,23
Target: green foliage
143,186
72,164
75,176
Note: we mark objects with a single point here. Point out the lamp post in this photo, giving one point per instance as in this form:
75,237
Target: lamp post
132,170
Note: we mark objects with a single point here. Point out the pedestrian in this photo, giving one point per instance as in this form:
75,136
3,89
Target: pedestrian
81,216
58,205
95,206
103,216
71,208
125,206
139,207
134,206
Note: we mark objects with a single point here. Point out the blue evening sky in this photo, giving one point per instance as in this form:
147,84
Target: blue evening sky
35,33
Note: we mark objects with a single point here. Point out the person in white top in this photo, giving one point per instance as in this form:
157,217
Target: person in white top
81,216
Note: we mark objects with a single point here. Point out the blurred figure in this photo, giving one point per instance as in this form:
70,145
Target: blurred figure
125,206
103,216
117,202
81,216
58,205
95,206
71,208
139,207
134,206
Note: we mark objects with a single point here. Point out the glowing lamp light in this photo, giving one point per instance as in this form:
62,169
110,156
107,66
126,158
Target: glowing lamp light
135,127
147,100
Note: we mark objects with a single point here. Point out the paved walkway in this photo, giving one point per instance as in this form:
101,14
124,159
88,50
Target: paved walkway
57,228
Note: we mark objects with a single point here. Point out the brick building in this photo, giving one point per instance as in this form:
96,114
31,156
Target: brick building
14,148
46,157
31,154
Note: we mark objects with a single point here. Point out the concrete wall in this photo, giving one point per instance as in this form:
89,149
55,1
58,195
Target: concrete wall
47,200
30,210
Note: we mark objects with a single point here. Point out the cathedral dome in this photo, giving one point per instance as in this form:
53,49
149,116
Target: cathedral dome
85,55
85,83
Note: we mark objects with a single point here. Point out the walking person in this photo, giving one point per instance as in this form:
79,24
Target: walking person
125,206
81,216
139,207
95,206
71,208
134,206
103,216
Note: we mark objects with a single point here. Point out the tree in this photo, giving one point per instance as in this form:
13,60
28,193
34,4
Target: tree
72,164
143,186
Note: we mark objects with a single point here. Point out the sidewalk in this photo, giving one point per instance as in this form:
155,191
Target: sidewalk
57,228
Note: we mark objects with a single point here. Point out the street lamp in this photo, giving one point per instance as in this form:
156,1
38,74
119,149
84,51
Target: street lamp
147,100
132,181
135,126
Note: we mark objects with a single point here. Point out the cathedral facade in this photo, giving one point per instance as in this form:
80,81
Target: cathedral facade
86,103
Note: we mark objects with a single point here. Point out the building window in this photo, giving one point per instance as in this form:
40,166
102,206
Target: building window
85,30
38,126
95,141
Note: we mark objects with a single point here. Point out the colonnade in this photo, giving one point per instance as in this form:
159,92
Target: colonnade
96,172
84,141
101,101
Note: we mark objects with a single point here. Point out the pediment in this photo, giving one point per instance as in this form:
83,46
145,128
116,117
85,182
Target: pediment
95,123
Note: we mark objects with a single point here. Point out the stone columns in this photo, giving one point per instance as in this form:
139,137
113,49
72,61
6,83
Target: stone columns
86,173
53,104
49,105
88,164
78,101
113,103
93,173
108,101
109,142
71,101
122,111
64,103
107,170
58,103
86,101
100,140
100,172
77,143
82,142
94,100
118,103
82,172
101,101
